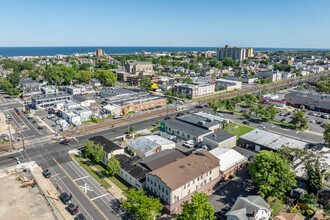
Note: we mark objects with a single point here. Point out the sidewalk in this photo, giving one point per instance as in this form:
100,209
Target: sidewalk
114,190
51,194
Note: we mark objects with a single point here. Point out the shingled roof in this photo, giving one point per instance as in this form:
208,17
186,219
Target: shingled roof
178,173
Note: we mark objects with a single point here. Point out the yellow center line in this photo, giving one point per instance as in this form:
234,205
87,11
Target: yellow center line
80,189
21,120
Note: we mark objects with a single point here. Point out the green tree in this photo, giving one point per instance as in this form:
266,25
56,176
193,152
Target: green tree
299,118
228,61
106,77
199,208
140,205
98,153
314,175
131,129
113,166
169,92
229,106
85,66
183,95
224,124
214,105
170,100
88,152
83,76
272,174
188,80
145,83
326,133
271,110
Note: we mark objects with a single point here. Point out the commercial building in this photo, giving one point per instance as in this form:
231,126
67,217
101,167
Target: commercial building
49,89
140,68
228,84
73,90
49,100
177,181
194,91
310,100
147,145
220,139
231,161
260,139
251,207
194,126
235,53
122,76
131,171
110,148
113,109
132,100
272,75
243,79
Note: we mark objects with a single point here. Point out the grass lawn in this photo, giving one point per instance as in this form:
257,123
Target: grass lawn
122,184
240,130
92,172
277,205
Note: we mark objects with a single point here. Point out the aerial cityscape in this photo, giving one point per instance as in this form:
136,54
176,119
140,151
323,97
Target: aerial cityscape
150,110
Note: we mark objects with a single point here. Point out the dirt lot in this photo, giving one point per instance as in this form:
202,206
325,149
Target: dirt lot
22,203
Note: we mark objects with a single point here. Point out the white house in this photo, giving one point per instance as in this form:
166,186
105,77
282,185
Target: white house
251,207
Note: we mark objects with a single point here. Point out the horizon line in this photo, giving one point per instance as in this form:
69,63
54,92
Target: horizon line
175,46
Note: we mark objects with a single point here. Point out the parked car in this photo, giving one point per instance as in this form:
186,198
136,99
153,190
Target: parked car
246,122
73,208
40,127
189,143
46,173
283,119
80,217
325,116
66,141
171,137
54,125
34,122
319,122
167,117
65,198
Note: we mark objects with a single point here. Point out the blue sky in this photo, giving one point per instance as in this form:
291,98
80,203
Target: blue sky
247,23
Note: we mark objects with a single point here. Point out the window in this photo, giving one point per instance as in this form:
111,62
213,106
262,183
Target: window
163,189
189,191
210,171
204,181
184,186
188,184
193,181
166,192
197,178
159,187
210,179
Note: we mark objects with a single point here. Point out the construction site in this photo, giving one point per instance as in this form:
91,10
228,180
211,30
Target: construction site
21,198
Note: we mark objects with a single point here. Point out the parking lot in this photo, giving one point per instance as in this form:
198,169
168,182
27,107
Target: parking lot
224,198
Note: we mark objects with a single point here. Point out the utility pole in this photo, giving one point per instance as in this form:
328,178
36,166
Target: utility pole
10,143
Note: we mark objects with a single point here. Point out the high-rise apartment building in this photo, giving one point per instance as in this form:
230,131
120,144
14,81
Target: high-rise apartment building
235,53
249,52
99,52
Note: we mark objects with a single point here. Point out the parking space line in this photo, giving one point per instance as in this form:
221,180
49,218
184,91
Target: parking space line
69,191
80,189
99,196
81,178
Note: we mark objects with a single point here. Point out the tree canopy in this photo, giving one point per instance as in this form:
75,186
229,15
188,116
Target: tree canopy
113,166
198,209
145,83
326,133
142,206
272,174
299,118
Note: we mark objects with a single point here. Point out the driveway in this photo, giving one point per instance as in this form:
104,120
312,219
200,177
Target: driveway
242,185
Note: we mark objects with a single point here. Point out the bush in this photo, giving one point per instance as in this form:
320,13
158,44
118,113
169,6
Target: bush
232,176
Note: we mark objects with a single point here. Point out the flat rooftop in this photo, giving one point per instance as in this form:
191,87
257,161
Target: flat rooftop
272,140
148,143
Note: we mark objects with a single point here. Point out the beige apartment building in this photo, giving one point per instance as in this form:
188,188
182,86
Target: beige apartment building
140,68
235,53
177,181
195,91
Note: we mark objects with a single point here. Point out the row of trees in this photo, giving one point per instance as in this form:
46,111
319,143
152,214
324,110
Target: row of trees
146,207
227,104
96,154
267,112
8,87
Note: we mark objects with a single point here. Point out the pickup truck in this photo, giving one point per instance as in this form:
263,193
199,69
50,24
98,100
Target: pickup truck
73,208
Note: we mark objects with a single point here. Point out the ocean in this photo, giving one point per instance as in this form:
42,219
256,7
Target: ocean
50,51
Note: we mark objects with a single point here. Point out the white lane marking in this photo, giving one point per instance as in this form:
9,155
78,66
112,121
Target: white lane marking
86,188
81,178
70,193
297,132
99,196
82,170
273,126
